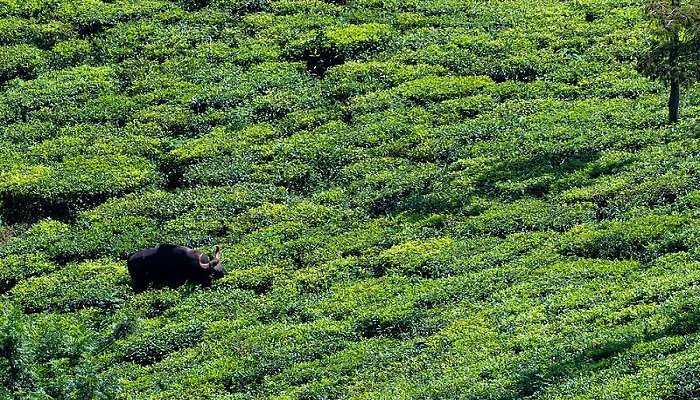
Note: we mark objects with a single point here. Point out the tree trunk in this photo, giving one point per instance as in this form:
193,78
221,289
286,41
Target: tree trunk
674,99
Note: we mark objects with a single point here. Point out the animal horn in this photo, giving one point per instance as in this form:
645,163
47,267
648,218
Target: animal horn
203,265
217,255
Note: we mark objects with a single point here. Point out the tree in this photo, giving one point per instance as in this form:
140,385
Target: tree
673,55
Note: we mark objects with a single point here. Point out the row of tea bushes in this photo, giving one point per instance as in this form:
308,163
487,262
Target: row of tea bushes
415,199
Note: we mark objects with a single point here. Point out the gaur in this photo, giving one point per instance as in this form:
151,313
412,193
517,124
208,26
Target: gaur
172,266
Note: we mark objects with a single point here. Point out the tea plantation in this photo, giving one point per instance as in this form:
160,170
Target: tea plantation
416,199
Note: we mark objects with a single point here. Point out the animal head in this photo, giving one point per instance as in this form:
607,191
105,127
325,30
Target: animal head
212,265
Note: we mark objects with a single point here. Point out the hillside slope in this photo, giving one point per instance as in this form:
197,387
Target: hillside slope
417,199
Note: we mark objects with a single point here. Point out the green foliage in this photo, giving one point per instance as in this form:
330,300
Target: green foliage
59,89
12,358
679,19
74,287
47,357
425,199
16,268
21,61
72,52
74,182
638,238
322,49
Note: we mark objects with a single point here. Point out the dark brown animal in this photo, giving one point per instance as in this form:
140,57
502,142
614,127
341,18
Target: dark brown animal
170,265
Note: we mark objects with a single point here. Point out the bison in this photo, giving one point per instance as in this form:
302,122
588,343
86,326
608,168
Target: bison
172,266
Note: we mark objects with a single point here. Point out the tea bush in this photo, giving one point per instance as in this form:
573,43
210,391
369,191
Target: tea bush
21,61
18,268
429,199
67,186
59,89
90,284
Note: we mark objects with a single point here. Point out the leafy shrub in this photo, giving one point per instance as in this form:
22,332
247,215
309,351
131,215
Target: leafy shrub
382,184
423,258
76,181
527,215
71,53
639,238
90,284
87,17
48,356
155,344
15,269
415,199
21,61
434,88
93,140
333,45
355,78
13,360
49,89
17,31
242,6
